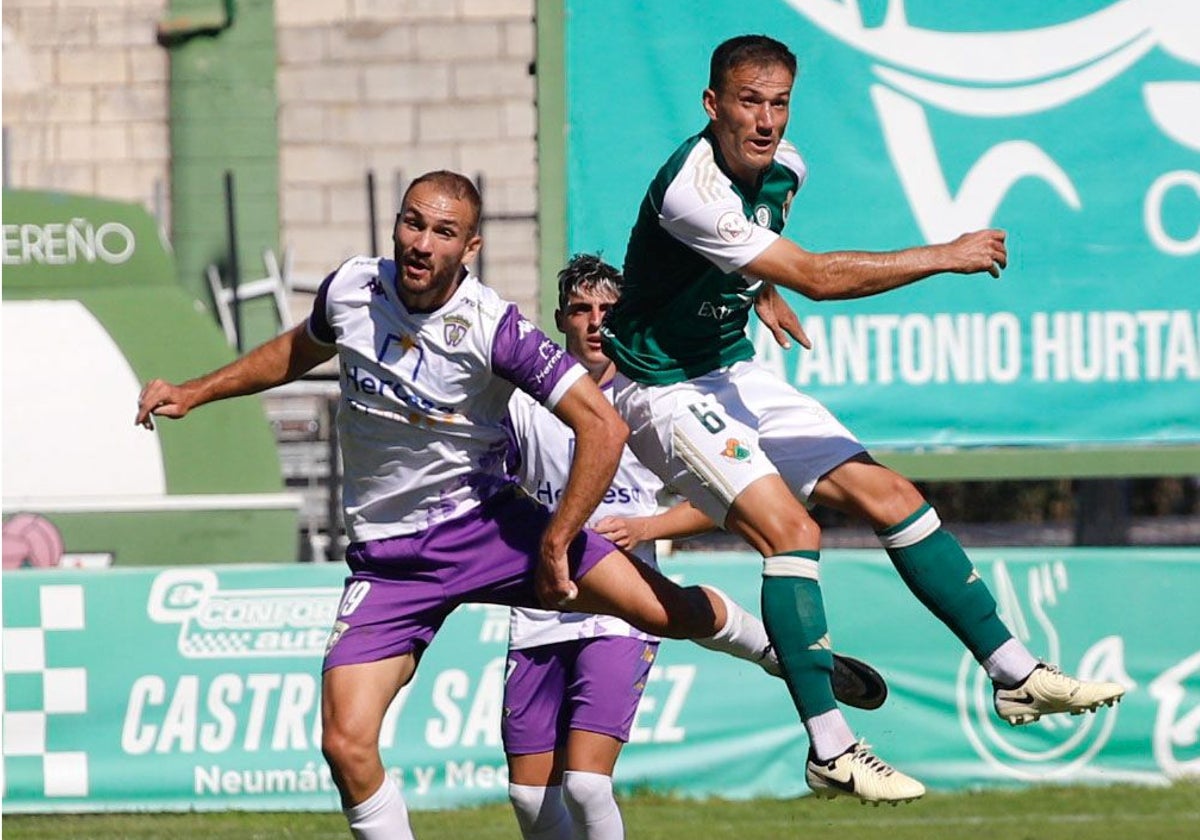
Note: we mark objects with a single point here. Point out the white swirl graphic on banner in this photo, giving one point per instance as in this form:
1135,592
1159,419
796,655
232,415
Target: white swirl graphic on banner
1057,746
1008,74
1176,727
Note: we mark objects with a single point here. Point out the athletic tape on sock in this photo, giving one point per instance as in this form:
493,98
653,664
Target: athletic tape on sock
912,530
792,565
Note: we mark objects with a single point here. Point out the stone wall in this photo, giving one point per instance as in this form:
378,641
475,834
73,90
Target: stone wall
401,87
86,100
397,87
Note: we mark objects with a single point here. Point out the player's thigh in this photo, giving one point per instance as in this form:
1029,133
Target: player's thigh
699,437
801,437
592,752
355,697
629,589
769,517
866,489
541,769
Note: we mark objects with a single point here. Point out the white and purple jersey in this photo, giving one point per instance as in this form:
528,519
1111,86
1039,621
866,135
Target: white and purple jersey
541,459
424,396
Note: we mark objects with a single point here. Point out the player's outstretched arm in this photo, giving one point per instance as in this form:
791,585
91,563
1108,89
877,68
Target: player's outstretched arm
282,359
675,523
600,436
840,275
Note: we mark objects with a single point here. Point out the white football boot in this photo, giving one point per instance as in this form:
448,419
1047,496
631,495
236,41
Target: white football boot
860,773
1047,691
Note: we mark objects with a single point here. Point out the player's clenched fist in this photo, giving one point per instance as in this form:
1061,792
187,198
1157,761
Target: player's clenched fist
552,579
981,250
161,398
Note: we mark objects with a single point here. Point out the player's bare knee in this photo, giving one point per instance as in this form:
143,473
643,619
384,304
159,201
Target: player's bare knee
345,748
893,501
789,529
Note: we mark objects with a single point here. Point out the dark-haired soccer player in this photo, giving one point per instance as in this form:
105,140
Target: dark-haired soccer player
573,680
748,449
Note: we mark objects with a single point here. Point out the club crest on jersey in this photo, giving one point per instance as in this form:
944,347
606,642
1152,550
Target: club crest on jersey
455,329
762,215
335,635
735,450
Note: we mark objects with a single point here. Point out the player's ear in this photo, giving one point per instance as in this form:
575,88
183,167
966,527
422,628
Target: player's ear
474,244
710,103
560,321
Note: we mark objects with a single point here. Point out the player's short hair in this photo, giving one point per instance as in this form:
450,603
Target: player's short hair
456,186
587,273
758,50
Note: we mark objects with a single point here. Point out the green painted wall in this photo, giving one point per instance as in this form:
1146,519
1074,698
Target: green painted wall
552,149
173,538
223,118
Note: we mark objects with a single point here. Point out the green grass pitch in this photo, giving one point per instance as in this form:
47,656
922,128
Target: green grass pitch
1036,813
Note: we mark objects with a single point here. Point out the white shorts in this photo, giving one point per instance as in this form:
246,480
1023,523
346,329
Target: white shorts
711,437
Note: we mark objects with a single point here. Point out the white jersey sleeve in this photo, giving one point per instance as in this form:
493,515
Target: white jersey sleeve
701,209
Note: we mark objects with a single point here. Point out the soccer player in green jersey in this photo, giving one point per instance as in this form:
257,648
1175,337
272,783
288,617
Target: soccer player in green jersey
748,449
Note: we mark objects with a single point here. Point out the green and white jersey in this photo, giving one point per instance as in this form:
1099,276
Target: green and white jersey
684,303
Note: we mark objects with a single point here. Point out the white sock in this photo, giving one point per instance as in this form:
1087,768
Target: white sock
382,816
589,799
829,734
1010,663
743,636
540,812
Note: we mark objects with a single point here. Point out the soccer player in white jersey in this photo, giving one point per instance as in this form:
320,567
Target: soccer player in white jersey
429,358
574,680
748,449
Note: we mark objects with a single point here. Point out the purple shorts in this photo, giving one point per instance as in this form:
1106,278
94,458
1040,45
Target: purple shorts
401,589
590,684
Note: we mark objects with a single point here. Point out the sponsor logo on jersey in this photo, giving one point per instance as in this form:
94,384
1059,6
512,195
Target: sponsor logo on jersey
374,284
718,312
736,450
549,495
733,227
404,342
762,216
553,354
524,328
455,329
363,382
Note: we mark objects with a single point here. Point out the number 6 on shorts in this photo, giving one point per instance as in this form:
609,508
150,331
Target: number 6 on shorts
708,418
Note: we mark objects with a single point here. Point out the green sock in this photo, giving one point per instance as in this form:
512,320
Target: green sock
795,619
939,573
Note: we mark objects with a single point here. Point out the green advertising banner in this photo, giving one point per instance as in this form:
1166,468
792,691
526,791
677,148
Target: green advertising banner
1074,125
199,687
